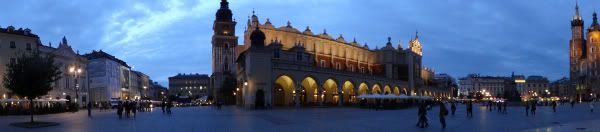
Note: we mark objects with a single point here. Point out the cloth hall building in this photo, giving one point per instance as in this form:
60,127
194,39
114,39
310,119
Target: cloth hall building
283,66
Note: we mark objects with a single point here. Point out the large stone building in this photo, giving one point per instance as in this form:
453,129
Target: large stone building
190,85
73,81
140,84
13,43
282,66
109,77
488,86
584,57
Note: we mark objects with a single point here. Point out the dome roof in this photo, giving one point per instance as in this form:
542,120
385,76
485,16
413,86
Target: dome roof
307,31
257,38
289,28
224,14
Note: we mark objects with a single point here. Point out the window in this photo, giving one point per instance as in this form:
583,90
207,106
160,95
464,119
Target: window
322,63
12,44
299,56
28,46
339,66
276,54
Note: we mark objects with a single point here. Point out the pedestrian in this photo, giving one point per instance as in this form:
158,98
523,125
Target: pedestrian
554,106
572,104
453,107
499,107
133,107
423,120
490,105
526,108
470,109
120,109
443,114
127,108
169,105
533,107
162,106
592,106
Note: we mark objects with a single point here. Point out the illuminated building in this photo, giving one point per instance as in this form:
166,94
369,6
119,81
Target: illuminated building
189,85
584,57
283,66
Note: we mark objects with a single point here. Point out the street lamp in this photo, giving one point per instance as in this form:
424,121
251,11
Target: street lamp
76,72
145,91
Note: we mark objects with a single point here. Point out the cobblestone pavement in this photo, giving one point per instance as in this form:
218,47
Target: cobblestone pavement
335,119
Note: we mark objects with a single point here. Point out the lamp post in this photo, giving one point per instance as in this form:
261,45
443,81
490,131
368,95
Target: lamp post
145,93
76,72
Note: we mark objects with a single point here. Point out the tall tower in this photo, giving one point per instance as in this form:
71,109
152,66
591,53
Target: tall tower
224,43
576,45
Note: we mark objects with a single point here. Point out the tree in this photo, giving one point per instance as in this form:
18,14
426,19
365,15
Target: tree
31,76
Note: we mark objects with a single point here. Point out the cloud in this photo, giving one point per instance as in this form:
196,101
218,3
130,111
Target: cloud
163,38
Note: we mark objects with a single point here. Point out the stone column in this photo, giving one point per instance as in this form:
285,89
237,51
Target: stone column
297,94
341,95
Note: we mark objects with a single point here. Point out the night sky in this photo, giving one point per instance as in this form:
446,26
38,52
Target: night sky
166,37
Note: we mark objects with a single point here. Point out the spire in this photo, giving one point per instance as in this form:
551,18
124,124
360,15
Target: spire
224,4
354,40
389,41
595,19
577,16
289,24
64,40
324,31
307,28
417,35
224,14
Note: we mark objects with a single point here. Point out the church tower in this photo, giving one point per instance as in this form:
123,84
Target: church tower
576,45
224,43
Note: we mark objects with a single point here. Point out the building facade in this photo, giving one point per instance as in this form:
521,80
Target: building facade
584,57
191,85
109,77
72,65
536,86
487,86
282,66
13,43
140,85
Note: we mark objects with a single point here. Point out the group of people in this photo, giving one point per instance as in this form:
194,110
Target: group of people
499,106
423,120
130,108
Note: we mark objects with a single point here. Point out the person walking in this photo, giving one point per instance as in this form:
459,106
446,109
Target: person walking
127,108
499,107
134,108
470,109
533,107
526,108
120,109
423,121
453,107
572,104
443,114
554,106
162,106
169,105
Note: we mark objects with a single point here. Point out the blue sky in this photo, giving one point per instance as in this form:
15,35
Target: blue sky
166,37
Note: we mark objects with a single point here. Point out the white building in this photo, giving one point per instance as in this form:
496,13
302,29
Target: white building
13,43
73,73
109,77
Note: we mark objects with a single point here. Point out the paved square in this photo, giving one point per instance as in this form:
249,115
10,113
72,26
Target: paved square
207,119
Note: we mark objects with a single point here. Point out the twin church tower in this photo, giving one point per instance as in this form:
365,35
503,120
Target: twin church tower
584,57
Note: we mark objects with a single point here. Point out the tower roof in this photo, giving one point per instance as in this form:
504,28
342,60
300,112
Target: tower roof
224,14
257,38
